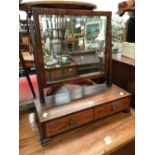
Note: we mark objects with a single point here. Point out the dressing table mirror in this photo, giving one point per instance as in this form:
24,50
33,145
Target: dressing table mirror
72,51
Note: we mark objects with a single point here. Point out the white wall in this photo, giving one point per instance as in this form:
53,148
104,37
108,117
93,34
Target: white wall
105,5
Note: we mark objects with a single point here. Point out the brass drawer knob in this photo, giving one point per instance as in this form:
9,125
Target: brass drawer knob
113,108
72,122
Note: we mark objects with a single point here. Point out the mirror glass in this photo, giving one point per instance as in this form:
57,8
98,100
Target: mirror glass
72,46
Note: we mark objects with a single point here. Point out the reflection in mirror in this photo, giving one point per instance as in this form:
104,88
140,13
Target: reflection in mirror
72,45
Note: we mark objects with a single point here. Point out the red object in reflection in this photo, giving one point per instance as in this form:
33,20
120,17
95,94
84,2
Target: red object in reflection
122,5
25,93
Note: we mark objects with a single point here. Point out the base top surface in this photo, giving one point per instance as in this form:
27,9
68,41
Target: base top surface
51,110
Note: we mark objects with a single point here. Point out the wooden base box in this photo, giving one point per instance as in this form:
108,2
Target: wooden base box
56,119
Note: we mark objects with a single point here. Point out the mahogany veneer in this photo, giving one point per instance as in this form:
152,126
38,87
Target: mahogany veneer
68,122
124,66
54,118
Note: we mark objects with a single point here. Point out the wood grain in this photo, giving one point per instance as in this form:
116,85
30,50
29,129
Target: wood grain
104,137
110,108
69,122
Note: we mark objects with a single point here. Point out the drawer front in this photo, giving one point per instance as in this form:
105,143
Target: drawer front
60,73
110,108
68,122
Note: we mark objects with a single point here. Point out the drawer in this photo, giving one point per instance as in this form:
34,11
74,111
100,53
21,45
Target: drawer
112,107
68,122
60,73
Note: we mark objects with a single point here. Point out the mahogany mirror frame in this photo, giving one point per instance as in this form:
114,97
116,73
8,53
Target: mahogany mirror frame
36,38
